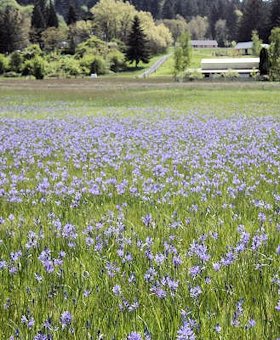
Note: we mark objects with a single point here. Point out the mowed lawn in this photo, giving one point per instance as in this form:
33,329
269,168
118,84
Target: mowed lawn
138,210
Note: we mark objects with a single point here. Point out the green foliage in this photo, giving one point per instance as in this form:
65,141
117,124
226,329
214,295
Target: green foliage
93,64
53,38
93,45
31,51
274,52
70,66
9,3
27,68
3,63
193,75
182,54
98,65
257,43
116,60
38,68
230,75
16,61
113,19
178,61
176,27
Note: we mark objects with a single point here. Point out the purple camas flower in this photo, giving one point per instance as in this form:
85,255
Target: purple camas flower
159,292
117,290
195,292
65,319
251,323
218,328
134,336
41,336
147,220
195,271
186,332
3,264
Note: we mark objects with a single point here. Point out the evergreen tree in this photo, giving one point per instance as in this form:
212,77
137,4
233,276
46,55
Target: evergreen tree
255,17
275,13
72,16
52,20
38,16
137,44
38,22
232,21
264,62
168,9
154,8
12,35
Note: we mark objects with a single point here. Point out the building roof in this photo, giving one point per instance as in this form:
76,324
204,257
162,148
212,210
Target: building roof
230,60
244,45
204,42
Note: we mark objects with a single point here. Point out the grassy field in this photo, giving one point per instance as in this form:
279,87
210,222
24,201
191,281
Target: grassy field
59,98
135,209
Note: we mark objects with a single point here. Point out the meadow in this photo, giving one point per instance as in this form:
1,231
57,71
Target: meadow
137,209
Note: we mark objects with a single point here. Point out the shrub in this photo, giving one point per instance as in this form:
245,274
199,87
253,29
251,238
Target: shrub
92,46
70,67
254,73
230,75
93,64
27,68
116,61
16,61
98,66
3,64
31,52
193,75
38,68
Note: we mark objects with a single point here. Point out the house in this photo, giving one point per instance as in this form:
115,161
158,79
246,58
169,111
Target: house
244,48
204,43
243,66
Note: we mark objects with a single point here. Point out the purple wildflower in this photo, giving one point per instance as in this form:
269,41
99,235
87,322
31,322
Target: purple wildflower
65,319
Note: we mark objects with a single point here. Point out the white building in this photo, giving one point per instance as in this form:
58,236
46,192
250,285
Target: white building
243,66
204,43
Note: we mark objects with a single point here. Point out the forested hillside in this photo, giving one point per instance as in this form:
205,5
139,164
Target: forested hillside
235,17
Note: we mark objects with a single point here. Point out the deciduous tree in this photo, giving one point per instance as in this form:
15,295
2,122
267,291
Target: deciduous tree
274,52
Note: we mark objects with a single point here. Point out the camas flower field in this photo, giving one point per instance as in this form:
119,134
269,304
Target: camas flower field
156,224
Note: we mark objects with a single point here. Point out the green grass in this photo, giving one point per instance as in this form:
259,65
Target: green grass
91,97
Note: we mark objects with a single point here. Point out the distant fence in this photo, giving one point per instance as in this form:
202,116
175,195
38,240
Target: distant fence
155,66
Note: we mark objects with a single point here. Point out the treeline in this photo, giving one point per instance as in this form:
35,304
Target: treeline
237,18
